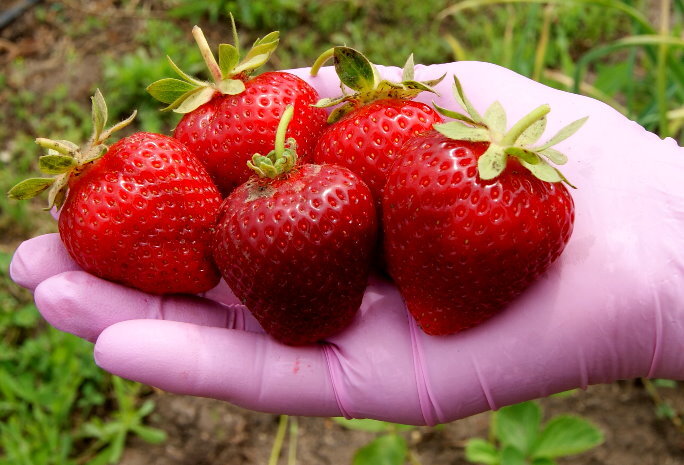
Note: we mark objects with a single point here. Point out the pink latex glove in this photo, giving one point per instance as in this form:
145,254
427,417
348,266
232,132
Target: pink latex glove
611,307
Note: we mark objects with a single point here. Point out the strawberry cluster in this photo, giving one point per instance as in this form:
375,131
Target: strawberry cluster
463,215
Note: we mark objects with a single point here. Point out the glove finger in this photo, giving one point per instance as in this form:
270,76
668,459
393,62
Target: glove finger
82,304
247,369
37,259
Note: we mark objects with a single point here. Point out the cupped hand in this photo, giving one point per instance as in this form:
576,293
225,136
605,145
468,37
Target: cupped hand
612,307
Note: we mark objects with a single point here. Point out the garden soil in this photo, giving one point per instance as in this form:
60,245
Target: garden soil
203,431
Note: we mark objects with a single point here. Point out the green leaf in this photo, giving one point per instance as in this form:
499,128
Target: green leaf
56,164
195,100
151,435
169,89
228,58
455,115
373,426
523,154
480,451
462,100
184,75
390,449
518,425
512,456
58,191
354,69
543,461
492,162
544,171
555,156
495,118
532,133
563,134
666,383
30,188
231,87
329,102
408,71
566,435
99,114
458,131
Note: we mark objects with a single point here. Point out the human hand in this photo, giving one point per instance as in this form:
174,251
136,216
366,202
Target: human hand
612,306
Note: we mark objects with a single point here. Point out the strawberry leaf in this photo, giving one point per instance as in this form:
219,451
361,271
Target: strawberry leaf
231,86
57,192
228,57
457,131
195,99
169,89
544,171
182,74
455,115
408,73
99,114
56,164
492,162
30,188
495,118
533,133
555,156
523,154
354,69
563,134
462,100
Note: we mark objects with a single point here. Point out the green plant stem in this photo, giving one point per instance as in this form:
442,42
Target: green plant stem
518,128
661,72
320,61
658,400
542,44
207,54
278,441
282,130
292,444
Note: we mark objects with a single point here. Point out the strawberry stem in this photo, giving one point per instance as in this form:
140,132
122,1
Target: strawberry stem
207,54
528,120
282,129
320,61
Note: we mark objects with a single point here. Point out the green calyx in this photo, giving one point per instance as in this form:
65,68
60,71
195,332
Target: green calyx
65,160
358,74
520,141
283,157
228,73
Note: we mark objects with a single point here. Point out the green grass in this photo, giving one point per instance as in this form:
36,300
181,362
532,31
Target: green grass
56,406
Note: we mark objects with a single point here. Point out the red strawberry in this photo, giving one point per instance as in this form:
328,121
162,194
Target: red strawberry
294,244
373,123
472,218
140,213
229,120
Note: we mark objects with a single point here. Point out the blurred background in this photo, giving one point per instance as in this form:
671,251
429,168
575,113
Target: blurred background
57,407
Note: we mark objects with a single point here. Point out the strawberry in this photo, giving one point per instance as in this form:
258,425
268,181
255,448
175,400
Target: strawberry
139,213
294,244
226,121
473,215
371,124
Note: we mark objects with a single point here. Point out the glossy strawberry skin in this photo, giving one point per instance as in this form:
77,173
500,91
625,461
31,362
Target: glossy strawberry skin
143,215
296,250
460,248
225,132
368,139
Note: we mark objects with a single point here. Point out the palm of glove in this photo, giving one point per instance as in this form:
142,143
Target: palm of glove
611,307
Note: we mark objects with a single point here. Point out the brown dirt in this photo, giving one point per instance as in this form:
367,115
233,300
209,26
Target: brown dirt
202,431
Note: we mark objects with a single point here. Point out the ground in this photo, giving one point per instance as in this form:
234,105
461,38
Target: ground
203,431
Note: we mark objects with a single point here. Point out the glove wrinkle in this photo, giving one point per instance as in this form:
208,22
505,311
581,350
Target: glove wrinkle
430,411
658,337
332,360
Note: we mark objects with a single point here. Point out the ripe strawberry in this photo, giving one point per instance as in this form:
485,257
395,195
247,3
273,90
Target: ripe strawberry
294,244
372,124
229,120
140,212
473,215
